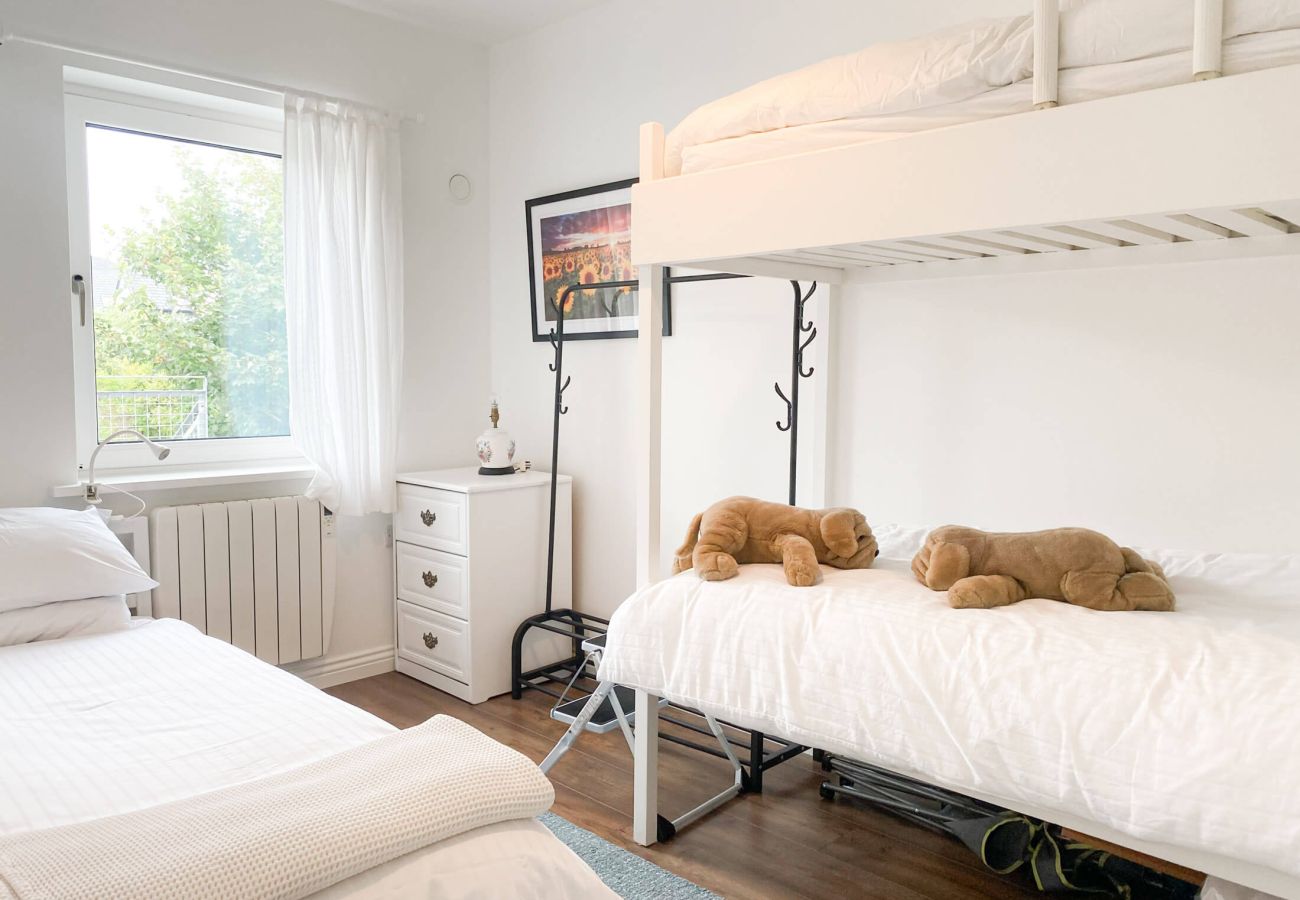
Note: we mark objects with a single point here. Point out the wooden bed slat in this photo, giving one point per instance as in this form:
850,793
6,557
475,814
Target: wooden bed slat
989,246
830,257
942,245
1128,231
1139,234
1249,221
1088,239
1210,228
862,256
1286,210
1182,230
917,253
1038,243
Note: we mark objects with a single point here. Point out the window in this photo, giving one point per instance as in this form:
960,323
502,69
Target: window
176,225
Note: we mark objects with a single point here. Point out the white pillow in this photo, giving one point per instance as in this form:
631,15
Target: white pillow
68,618
943,67
50,555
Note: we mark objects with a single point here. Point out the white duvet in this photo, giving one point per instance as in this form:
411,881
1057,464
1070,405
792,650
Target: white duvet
936,76
1247,53
1180,728
93,726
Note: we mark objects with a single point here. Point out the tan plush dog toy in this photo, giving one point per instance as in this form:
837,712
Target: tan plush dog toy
744,530
981,569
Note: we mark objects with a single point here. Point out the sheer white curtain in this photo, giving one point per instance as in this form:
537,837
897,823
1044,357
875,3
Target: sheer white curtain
343,296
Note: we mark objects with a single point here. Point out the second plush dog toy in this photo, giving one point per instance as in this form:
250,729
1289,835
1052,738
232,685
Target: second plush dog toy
744,530
981,569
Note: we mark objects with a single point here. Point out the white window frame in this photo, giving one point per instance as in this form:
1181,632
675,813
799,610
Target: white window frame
168,112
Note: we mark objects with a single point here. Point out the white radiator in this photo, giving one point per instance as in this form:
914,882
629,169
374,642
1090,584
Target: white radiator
256,573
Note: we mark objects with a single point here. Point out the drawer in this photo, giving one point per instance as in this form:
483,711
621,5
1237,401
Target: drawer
433,579
433,640
431,518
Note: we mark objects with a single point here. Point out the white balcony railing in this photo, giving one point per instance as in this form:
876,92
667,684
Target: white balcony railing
161,407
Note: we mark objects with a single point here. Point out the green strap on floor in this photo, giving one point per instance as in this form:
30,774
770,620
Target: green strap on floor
1074,867
1003,841
1007,841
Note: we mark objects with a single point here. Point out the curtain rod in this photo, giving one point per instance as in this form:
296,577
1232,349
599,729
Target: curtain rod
267,87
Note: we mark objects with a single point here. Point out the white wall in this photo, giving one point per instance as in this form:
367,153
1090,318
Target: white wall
1139,401
310,45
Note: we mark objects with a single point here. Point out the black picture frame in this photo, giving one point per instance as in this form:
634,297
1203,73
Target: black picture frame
563,204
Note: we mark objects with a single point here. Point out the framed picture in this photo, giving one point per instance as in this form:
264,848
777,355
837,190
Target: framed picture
585,236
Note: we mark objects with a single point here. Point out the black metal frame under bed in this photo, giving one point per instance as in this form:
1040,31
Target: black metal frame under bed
761,752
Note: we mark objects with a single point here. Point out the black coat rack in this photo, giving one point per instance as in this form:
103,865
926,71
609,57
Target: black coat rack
797,373
578,626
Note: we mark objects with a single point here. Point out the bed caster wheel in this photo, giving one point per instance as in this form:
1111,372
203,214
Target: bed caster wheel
826,791
664,829
745,783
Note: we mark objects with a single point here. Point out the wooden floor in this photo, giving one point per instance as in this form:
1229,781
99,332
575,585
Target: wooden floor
787,842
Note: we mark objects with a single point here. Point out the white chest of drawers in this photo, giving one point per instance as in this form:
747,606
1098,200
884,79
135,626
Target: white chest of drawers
469,556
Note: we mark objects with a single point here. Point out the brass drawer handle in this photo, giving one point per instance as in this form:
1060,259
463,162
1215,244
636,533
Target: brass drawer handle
430,640
429,579
428,518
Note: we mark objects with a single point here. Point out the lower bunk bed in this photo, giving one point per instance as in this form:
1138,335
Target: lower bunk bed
166,763
1171,735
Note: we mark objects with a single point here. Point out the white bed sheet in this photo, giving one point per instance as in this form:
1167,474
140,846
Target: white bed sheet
1247,53
1179,728
110,723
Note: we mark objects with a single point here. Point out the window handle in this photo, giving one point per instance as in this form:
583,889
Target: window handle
79,288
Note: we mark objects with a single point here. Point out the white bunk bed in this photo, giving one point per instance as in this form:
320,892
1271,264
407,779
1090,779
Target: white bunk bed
1128,180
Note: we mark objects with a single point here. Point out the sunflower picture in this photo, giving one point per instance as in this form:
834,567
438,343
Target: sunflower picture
583,237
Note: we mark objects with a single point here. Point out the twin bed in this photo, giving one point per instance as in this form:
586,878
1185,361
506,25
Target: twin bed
103,733
970,153
1171,733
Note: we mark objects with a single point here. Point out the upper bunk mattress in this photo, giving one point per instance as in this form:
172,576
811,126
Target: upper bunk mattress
1177,728
945,78
1248,53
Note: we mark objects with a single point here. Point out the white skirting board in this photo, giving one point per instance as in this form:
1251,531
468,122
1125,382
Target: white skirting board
328,671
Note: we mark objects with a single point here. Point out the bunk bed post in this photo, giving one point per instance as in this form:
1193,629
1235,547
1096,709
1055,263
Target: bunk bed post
1207,40
1047,51
649,350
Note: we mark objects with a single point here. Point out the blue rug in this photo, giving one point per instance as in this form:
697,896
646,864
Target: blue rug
626,874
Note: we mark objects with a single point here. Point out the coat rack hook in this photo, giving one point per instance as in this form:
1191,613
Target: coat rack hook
804,346
806,326
789,408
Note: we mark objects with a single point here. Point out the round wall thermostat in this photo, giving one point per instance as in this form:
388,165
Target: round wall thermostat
459,187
